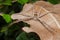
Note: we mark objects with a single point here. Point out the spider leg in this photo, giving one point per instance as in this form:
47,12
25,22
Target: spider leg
43,15
45,26
53,30
25,15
